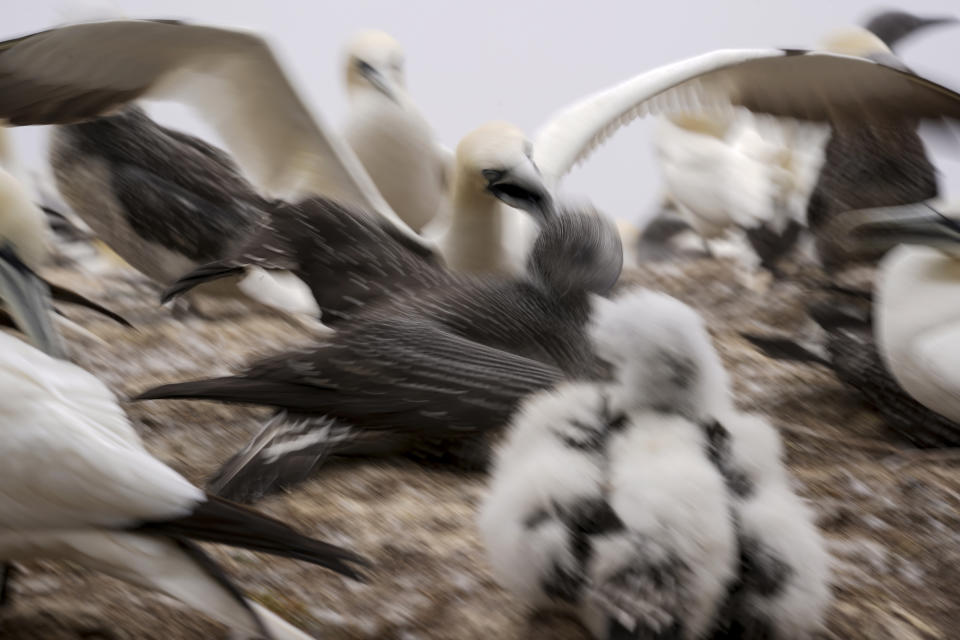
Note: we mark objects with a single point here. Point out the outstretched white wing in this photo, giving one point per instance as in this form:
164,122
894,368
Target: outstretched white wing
232,78
808,85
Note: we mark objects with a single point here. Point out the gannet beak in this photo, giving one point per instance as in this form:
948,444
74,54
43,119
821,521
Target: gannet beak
377,79
931,22
522,187
883,228
27,301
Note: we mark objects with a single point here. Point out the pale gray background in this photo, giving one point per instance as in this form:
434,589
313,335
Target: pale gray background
468,62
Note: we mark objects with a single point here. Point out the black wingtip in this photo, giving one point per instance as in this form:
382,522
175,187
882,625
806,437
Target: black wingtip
62,294
222,521
200,275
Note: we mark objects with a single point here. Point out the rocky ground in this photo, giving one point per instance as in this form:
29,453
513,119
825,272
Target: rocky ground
892,513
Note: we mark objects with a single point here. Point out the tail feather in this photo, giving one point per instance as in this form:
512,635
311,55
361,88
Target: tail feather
785,349
200,275
62,294
284,453
236,389
221,521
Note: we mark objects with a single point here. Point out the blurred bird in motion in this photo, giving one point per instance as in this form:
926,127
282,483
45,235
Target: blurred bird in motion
237,84
76,484
897,354
772,177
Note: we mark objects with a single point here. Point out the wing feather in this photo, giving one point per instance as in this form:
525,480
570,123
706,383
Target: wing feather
232,78
807,85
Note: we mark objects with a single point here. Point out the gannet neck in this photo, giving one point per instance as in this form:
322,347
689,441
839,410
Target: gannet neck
474,240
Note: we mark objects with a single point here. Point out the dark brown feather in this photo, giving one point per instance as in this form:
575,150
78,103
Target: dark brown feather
220,521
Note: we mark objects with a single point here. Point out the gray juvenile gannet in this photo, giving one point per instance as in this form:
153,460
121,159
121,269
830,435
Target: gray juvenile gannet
77,484
237,84
431,372
164,201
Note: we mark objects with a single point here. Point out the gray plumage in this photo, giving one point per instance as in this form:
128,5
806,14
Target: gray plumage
427,369
866,166
164,201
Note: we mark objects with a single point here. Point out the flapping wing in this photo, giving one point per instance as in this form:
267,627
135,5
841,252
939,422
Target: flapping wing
232,78
808,85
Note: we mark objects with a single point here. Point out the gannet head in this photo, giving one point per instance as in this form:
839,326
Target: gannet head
577,251
662,355
870,233
853,41
496,160
374,60
894,26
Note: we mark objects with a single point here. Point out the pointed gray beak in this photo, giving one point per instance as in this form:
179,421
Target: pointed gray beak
377,79
883,228
522,187
27,300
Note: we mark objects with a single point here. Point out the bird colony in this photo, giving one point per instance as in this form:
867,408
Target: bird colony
453,402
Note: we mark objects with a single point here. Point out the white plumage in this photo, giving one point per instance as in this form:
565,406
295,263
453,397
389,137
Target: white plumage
650,500
648,503
603,497
739,169
785,571
390,135
75,481
917,312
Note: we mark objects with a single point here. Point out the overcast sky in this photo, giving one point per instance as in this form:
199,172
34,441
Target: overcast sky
469,62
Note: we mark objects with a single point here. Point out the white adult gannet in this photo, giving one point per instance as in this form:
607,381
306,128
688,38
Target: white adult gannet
388,132
917,299
77,484
235,81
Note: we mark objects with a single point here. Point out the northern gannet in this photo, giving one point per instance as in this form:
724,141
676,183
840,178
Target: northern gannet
164,201
432,372
78,485
916,306
235,81
773,177
851,354
389,134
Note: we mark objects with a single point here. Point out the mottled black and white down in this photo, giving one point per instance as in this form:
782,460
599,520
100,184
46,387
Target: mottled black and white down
647,503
